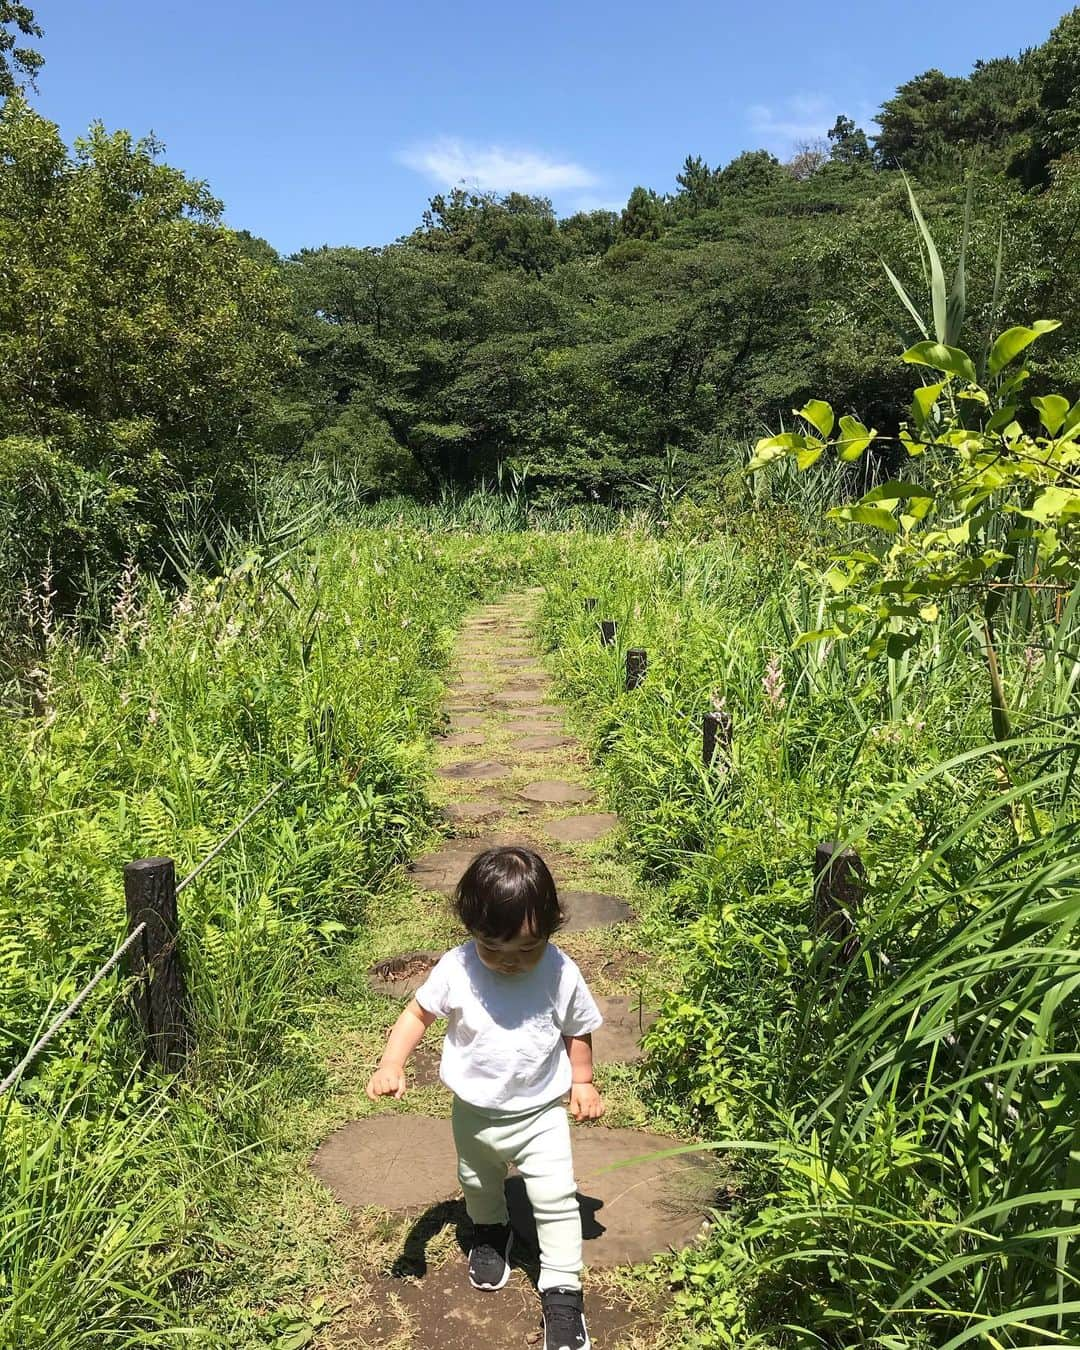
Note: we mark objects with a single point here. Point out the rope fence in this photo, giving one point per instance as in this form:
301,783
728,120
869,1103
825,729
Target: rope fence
150,949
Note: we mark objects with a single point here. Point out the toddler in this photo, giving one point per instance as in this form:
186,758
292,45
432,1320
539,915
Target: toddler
519,1017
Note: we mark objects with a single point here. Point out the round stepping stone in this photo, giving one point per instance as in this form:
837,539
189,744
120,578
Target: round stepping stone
402,975
392,1160
475,768
462,739
625,1022
582,829
632,1214
548,741
402,1162
592,909
532,726
554,790
473,812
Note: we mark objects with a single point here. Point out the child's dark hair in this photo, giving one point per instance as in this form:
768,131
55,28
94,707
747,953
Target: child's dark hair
505,888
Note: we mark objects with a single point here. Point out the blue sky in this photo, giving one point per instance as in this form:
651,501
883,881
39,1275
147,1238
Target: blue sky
334,123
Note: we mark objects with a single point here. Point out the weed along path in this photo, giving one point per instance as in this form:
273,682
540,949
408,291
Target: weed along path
508,772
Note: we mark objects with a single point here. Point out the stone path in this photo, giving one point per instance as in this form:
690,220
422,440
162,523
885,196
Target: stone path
524,781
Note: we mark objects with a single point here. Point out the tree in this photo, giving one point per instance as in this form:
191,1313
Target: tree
138,343
643,215
848,143
809,156
16,20
699,186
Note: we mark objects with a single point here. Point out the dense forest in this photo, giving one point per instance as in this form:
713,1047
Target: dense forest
154,362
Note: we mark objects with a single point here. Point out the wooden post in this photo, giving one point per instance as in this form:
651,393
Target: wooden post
607,631
839,888
716,732
160,996
590,603
637,663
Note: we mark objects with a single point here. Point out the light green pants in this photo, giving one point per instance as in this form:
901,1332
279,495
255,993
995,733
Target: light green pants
537,1142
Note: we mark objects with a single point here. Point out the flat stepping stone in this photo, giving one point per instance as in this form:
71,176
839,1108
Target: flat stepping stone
402,1162
555,791
460,707
618,1041
441,870
539,710
465,687
634,1213
544,741
473,812
532,726
466,720
396,1161
512,662
475,768
582,829
401,976
462,739
514,696
593,909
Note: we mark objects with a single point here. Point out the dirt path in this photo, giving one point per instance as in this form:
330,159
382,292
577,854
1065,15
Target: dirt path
509,772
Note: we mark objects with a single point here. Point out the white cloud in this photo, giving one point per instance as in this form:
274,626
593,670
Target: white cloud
803,117
494,168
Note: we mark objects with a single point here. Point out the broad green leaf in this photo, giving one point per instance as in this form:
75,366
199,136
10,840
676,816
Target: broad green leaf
924,399
1052,410
1014,340
819,414
854,438
1054,503
811,455
818,635
939,357
898,643
896,490
775,447
875,516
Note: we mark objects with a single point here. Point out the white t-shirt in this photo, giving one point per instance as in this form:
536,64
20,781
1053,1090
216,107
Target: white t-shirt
504,1047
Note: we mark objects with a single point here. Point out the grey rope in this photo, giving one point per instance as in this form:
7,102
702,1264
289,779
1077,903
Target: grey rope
70,1011
74,1006
232,833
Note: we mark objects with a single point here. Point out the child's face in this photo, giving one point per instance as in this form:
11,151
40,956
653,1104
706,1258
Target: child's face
510,956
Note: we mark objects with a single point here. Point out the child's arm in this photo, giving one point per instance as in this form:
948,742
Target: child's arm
585,1102
405,1035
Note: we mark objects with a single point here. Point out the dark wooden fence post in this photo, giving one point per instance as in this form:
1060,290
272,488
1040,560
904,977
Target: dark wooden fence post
590,603
839,887
716,733
160,995
607,631
637,663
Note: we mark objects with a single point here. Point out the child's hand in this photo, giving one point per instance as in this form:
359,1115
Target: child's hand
386,1083
585,1102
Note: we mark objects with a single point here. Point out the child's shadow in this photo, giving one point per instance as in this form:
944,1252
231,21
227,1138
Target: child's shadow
412,1260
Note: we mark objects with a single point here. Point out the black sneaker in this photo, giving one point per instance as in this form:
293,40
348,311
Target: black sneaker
489,1255
564,1320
